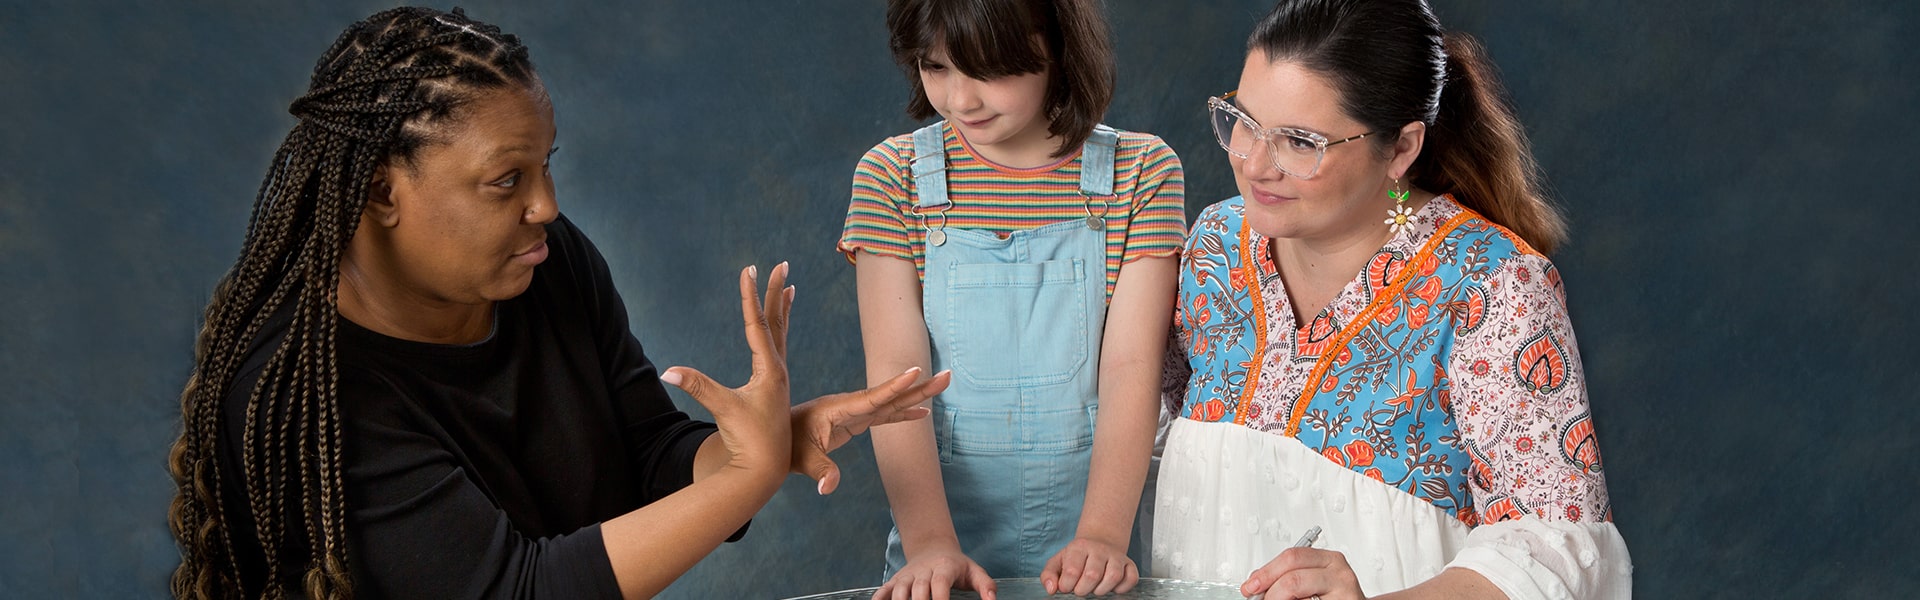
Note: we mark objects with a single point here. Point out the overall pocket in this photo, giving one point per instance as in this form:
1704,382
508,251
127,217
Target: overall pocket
1018,325
1005,433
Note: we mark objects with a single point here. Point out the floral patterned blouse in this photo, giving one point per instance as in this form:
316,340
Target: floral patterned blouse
1447,369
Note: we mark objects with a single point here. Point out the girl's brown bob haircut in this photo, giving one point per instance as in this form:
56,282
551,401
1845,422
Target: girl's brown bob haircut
989,39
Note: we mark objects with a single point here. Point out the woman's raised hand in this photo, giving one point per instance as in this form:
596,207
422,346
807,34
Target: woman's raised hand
753,418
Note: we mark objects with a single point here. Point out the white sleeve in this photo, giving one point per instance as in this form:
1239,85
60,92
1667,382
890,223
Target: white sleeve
1532,558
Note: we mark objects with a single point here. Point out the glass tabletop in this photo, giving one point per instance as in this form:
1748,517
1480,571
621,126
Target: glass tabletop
1025,588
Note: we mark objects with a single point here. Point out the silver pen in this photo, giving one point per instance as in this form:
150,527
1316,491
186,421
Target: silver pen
1313,533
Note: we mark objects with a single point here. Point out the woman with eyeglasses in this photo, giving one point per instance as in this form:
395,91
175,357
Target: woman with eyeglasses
1371,338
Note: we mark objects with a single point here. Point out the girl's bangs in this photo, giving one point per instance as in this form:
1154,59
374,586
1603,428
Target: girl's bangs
985,39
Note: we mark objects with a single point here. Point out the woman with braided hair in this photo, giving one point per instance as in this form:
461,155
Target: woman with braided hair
417,381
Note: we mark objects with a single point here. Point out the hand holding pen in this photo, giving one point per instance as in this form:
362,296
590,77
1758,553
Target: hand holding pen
1303,572
1306,541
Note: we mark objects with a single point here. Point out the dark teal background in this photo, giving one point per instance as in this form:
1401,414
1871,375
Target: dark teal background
1740,177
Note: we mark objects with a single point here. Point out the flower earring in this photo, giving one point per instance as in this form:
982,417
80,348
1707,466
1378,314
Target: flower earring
1399,218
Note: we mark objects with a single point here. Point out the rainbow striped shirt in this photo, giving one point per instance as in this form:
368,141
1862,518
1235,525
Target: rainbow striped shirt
1147,218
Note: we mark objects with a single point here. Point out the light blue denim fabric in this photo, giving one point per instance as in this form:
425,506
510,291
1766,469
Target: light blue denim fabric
1019,322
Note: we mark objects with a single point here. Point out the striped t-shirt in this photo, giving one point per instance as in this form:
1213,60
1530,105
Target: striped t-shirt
1147,215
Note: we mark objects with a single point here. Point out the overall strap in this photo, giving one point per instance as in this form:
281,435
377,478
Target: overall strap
1096,162
930,166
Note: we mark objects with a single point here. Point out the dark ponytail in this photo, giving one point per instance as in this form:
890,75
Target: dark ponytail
1393,65
1477,150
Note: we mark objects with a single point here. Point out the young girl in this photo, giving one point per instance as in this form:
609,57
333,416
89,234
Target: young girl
1032,252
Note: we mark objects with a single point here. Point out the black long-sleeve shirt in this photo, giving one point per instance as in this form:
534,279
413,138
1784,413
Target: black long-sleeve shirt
485,470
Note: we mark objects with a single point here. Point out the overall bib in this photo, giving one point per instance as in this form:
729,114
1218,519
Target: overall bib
1019,321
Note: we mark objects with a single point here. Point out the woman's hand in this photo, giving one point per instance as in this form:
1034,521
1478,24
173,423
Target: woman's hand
1087,566
1305,573
827,422
753,418
932,575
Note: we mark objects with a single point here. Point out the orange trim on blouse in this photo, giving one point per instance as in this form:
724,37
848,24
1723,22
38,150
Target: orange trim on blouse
1259,324
1386,296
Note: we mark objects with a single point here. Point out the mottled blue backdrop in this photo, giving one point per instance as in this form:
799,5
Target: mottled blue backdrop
1739,176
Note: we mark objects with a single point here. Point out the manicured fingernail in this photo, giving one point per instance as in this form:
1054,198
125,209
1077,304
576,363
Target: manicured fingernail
822,487
910,370
671,377
753,271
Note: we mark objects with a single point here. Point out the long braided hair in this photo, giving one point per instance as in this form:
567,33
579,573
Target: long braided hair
379,94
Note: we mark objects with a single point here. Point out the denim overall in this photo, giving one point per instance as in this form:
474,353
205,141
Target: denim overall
1019,322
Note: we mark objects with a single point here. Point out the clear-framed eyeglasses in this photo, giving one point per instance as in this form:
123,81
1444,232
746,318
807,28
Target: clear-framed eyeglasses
1296,152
